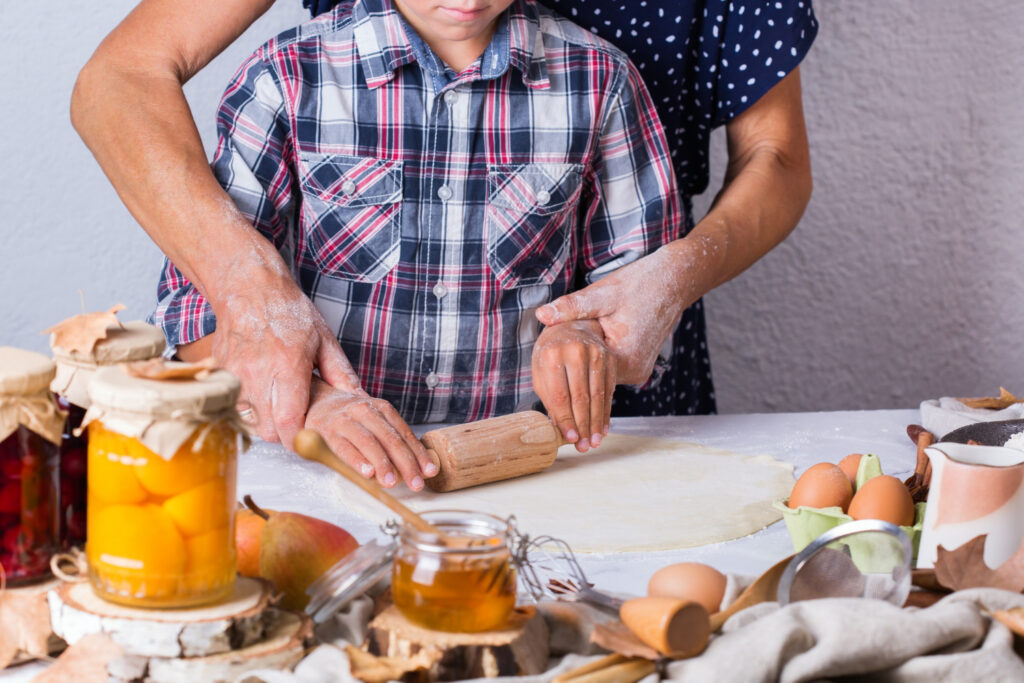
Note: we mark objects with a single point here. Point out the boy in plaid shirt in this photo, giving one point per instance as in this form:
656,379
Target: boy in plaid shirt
432,175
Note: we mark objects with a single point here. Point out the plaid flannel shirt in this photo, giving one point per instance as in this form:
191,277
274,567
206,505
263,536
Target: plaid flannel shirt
429,214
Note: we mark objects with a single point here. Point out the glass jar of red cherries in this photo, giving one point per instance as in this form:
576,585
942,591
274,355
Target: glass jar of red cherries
130,341
30,434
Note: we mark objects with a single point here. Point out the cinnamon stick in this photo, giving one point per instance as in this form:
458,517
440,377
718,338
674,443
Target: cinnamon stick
924,440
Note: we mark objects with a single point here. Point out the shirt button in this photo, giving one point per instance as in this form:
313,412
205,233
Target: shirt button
440,290
432,380
349,187
444,192
451,97
543,196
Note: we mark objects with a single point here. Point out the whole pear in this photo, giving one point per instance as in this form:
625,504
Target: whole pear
295,550
248,535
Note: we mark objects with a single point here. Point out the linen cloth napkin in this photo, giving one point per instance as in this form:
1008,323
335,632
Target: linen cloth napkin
953,640
943,415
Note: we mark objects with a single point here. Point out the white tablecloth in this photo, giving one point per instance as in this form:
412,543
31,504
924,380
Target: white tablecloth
280,480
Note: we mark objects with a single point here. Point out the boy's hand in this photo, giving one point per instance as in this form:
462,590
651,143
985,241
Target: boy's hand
574,375
368,435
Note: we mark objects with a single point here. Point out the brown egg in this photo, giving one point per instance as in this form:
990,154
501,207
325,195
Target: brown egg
691,581
849,466
821,486
885,498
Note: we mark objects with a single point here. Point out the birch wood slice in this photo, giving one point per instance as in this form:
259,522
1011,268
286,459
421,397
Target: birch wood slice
235,623
287,636
518,650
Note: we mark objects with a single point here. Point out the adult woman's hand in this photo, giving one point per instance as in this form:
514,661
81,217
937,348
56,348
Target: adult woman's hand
271,336
767,186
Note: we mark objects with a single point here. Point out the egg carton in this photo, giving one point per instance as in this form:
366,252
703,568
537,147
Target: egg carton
807,523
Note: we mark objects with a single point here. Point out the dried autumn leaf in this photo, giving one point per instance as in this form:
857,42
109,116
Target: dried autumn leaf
85,661
1005,400
80,333
158,368
373,669
24,625
965,567
615,636
1012,619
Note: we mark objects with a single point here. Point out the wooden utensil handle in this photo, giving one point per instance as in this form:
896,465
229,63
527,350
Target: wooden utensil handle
591,667
311,446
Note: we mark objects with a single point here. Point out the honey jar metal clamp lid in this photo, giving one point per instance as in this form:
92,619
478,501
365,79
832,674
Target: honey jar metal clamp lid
349,578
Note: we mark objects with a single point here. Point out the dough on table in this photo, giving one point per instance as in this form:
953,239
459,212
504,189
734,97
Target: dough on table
633,493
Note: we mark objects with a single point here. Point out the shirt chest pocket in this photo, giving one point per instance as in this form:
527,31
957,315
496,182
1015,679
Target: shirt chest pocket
530,220
351,214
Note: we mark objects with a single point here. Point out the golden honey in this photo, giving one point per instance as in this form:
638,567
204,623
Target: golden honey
467,586
161,532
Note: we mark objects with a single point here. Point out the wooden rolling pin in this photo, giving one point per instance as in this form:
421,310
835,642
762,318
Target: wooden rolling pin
491,450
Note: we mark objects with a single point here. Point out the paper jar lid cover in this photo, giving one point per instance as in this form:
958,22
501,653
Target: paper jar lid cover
133,340
24,372
113,389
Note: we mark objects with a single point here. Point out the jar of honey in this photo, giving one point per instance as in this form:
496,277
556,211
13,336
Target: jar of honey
30,428
131,341
464,583
162,462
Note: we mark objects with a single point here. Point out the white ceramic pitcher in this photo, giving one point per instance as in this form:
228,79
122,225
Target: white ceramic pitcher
974,490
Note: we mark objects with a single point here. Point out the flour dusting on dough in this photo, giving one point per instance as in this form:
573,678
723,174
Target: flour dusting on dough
633,493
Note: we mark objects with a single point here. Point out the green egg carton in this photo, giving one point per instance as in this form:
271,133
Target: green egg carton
806,523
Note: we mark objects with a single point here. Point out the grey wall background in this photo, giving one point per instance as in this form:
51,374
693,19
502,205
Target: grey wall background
902,282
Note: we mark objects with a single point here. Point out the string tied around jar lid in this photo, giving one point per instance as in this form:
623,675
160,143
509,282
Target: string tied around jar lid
39,413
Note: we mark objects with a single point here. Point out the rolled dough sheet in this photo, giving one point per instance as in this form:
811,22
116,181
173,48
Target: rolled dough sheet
634,493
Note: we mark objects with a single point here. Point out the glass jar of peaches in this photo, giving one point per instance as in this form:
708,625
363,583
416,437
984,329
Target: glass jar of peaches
162,462
30,428
130,341
465,583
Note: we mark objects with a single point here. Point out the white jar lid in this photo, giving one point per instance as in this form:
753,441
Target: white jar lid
112,389
133,340
24,373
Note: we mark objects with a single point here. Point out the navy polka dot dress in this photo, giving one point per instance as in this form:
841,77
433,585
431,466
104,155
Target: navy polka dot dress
705,62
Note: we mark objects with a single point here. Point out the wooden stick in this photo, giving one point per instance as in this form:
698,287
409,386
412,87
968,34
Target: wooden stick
311,446
626,672
610,660
924,440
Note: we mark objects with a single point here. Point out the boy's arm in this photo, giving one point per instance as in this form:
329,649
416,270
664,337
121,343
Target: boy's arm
767,186
634,210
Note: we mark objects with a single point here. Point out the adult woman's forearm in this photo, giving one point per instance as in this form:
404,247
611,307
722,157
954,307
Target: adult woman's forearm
767,186
130,110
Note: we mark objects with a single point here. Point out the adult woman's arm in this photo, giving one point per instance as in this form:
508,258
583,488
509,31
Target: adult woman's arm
767,186
130,110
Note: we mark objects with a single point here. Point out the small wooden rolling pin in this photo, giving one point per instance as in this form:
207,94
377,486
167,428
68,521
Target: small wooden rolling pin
491,450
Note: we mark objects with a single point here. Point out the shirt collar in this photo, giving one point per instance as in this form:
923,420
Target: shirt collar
386,43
